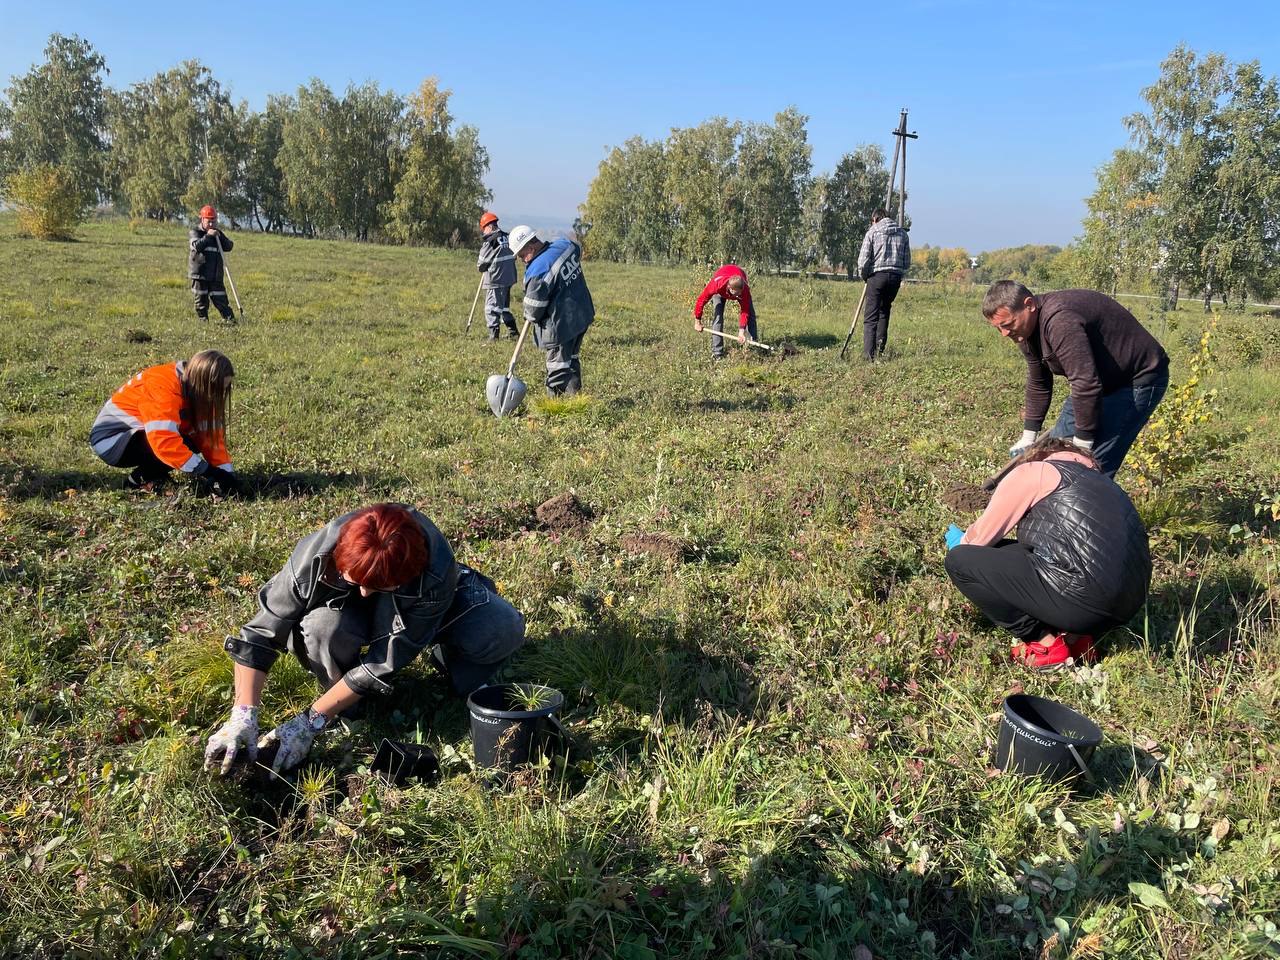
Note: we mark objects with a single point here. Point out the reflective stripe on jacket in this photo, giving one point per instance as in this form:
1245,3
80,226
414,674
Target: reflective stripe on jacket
497,260
153,401
310,580
204,262
556,298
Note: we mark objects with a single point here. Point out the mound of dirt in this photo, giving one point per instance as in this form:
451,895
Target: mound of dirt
137,336
562,513
658,544
966,497
785,349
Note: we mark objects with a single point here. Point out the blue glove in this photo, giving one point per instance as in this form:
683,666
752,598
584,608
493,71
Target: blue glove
953,536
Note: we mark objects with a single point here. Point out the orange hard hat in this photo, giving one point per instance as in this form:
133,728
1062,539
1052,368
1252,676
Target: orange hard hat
208,213
487,218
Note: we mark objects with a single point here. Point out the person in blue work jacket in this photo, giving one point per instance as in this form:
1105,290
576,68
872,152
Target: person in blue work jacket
557,303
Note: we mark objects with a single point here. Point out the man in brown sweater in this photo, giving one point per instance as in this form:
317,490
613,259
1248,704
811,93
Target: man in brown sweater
1117,371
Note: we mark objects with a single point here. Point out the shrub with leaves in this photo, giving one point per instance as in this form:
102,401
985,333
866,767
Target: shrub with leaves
1174,439
50,206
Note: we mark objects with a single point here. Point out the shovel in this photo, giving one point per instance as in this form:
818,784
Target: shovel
734,336
231,283
473,305
854,325
505,393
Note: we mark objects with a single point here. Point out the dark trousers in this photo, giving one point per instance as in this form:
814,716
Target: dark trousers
717,323
1120,420
147,467
1004,584
497,310
204,292
477,636
882,289
564,367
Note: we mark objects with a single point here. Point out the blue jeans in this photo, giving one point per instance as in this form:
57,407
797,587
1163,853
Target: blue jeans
1122,416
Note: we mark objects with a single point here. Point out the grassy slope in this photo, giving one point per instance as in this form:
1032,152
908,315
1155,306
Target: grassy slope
785,739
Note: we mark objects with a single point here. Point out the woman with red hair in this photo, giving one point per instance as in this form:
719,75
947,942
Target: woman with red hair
356,603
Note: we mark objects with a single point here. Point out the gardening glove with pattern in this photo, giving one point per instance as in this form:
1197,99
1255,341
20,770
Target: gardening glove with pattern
1019,448
238,733
294,738
953,536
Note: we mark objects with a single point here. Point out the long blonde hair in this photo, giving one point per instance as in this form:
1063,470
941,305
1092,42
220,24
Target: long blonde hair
206,389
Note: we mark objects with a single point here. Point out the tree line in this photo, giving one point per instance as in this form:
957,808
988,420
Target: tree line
1192,204
730,190
365,164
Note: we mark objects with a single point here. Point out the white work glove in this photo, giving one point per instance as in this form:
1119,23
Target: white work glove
1019,448
294,737
238,733
1085,445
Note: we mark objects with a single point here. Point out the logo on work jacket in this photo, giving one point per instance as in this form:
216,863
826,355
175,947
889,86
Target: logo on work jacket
571,270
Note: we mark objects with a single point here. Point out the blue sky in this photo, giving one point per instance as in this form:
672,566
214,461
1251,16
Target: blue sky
1016,103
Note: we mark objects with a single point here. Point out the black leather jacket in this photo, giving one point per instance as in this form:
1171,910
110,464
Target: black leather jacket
1088,543
310,580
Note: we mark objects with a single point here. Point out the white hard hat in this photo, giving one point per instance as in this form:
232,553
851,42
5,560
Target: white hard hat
520,236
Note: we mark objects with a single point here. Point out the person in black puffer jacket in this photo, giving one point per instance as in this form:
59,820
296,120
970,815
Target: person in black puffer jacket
1080,566
206,244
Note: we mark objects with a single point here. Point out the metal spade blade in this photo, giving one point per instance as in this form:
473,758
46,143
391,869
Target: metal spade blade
504,393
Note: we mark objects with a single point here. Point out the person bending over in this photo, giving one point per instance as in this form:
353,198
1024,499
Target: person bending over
557,303
170,417
727,283
1118,372
356,603
1080,566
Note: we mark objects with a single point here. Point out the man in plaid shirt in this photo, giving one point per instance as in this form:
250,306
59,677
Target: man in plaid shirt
884,258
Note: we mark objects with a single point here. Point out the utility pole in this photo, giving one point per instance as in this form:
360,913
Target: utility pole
900,147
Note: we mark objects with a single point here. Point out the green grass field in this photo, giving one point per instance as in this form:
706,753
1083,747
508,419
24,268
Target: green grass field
784,734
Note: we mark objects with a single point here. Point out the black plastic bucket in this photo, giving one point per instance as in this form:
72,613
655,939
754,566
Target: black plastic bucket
504,732
1039,737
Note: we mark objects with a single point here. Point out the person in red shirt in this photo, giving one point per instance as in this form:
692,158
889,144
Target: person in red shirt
729,283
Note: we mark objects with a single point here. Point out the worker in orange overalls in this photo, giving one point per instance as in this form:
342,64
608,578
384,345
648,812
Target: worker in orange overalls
170,417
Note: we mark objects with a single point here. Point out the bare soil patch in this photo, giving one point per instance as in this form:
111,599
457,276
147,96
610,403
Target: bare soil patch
966,497
658,544
564,513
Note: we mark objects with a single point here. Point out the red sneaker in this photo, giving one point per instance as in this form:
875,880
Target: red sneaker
1081,647
1053,655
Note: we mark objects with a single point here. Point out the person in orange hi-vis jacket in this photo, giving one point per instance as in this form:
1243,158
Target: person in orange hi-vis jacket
170,417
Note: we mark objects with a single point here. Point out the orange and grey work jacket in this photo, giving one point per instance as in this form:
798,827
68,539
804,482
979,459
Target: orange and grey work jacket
153,401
